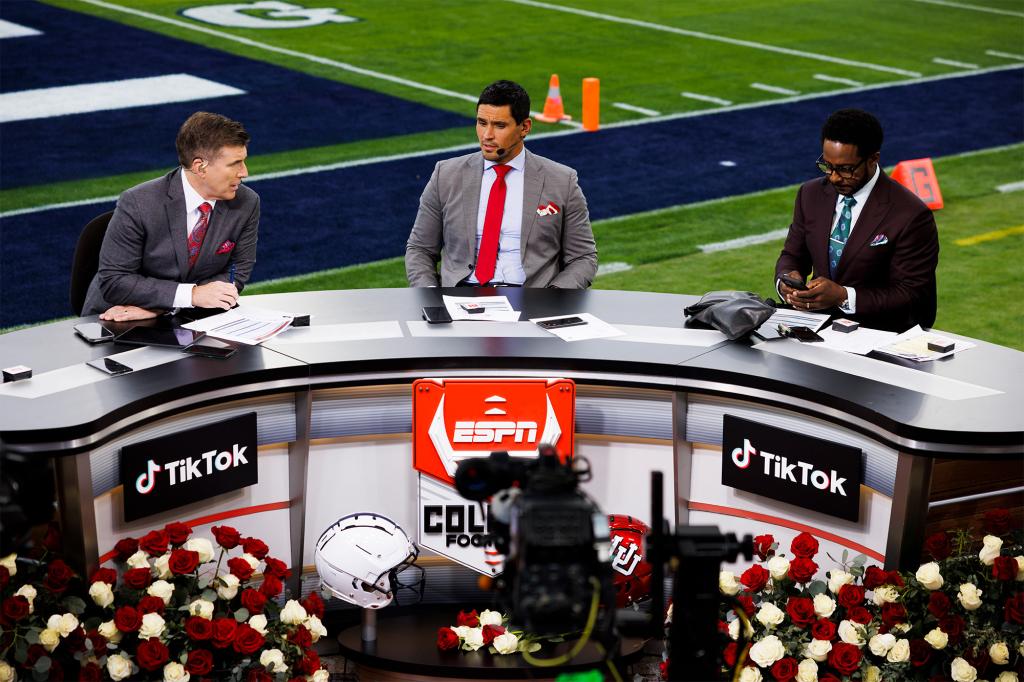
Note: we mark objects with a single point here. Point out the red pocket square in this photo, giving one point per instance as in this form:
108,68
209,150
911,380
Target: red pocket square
225,247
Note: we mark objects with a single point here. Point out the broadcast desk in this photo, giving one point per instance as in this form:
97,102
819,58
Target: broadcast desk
333,404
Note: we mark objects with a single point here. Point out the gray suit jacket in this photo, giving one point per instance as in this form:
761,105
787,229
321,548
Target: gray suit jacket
145,251
557,250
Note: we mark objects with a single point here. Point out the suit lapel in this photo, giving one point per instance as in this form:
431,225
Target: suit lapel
871,216
533,187
212,240
176,227
825,214
472,171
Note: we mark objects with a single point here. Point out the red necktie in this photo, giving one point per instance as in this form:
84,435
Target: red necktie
195,240
492,227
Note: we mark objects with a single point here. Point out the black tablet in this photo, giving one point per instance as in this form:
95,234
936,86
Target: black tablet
174,337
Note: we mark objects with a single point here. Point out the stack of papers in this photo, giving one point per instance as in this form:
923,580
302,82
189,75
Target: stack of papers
592,328
244,324
480,308
913,345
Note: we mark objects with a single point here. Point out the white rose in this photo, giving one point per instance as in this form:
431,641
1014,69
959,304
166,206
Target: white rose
315,627
1007,676
162,589
320,675
900,652
227,586
769,615
873,674
139,560
202,546
1020,567
836,580
109,630
807,671
163,566
928,575
201,608
901,628
28,592
152,626
767,651
461,630
65,624
101,594
880,644
999,653
727,583
10,563
778,566
961,670
175,672
293,613
506,643
489,617
824,606
253,562
6,672
473,640
937,638
817,649
750,675
119,667
273,660
49,638
851,633
989,552
886,593
259,623
969,596
734,630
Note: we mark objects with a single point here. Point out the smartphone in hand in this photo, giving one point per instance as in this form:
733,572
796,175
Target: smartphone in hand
792,283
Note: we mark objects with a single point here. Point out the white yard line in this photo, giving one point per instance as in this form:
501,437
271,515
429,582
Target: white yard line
975,8
9,29
774,88
952,62
706,98
740,242
836,79
716,38
639,110
1011,187
1005,55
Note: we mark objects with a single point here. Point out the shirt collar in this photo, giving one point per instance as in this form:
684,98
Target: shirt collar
518,163
192,197
861,195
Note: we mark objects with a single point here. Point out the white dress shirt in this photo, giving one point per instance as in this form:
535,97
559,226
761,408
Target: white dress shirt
183,294
509,266
861,196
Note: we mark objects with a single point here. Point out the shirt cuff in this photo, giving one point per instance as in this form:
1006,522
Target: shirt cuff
778,283
850,305
183,296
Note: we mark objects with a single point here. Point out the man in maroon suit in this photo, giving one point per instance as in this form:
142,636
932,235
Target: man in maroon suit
871,243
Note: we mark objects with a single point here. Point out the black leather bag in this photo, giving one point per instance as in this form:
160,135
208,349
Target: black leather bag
734,313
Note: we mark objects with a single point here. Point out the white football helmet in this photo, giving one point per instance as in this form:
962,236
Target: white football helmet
359,556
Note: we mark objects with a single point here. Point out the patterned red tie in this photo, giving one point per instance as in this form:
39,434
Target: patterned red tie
195,240
492,227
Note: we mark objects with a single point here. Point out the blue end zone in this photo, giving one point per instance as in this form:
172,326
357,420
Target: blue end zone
282,110
353,215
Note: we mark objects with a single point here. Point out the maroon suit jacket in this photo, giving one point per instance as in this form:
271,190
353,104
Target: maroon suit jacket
890,258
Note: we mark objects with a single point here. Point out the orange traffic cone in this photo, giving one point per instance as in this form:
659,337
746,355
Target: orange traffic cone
553,109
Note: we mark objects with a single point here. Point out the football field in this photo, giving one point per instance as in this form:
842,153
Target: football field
710,113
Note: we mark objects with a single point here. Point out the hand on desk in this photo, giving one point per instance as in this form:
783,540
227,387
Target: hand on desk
821,294
222,295
127,313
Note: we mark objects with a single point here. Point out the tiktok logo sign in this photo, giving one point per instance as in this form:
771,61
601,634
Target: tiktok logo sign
172,471
790,467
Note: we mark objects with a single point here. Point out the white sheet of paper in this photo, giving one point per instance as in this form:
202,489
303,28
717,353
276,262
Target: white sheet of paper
913,345
796,318
352,331
244,324
495,308
672,336
861,341
593,329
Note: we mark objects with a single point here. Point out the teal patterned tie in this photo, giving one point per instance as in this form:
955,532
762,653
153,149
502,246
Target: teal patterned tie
840,233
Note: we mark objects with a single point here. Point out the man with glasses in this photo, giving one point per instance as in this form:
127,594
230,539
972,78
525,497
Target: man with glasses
869,242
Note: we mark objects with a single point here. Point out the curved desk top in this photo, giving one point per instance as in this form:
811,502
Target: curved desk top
965,405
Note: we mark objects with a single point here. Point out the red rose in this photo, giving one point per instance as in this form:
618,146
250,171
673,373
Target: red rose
492,631
801,570
256,547
103,575
199,662
276,568
938,604
997,522
874,577
938,545
35,652
1013,611
729,654
844,657
254,600
859,614
247,639
801,610
75,641
893,613
224,632
447,639
138,578
301,637
314,605
823,629
125,547
198,629
154,543
226,536
979,660
271,586
850,596
748,604
763,546
755,578
1004,568
58,574
90,672
828,677
127,619
183,561
56,672
151,654
785,669
15,608
309,664
258,675
151,604
99,643
893,577
177,532
804,545
240,568
920,652
471,619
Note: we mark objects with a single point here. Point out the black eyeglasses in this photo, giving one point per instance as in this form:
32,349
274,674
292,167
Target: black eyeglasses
845,172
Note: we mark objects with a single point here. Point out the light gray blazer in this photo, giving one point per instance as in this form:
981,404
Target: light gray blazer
557,250
145,250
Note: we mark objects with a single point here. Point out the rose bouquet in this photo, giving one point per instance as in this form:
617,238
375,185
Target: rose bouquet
179,608
490,629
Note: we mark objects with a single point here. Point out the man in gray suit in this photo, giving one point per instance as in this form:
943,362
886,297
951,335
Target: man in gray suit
502,216
187,239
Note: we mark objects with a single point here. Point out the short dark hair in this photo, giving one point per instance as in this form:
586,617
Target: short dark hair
502,93
856,127
204,134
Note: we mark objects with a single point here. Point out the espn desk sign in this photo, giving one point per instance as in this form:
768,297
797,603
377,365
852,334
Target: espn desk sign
801,470
189,466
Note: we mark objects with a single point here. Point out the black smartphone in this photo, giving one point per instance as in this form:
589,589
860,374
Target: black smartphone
436,314
109,366
805,334
797,284
207,350
94,332
560,322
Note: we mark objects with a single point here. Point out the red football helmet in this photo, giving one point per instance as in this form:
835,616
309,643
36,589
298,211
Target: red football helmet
632,577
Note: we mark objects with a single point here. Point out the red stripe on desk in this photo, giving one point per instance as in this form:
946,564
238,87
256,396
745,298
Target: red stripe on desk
756,516
220,516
